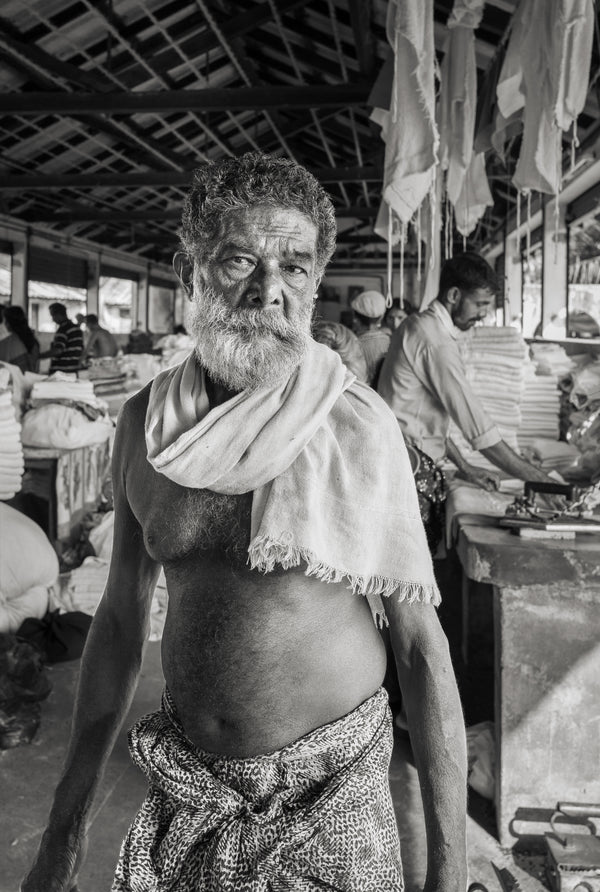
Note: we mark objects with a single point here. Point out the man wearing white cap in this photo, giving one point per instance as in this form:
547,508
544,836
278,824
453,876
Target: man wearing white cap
369,310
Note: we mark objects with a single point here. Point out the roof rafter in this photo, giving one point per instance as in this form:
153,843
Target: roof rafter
80,213
161,178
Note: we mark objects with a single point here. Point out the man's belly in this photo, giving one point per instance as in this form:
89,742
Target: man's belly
254,662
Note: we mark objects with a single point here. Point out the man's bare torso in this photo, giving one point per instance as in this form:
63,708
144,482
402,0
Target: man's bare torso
253,661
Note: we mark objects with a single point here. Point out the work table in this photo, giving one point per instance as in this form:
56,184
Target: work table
546,618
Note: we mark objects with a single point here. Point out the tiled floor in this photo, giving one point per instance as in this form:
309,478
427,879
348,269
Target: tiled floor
29,773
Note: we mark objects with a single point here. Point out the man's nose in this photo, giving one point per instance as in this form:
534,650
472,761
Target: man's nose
265,289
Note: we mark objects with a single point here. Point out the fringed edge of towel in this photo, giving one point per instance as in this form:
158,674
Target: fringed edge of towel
264,553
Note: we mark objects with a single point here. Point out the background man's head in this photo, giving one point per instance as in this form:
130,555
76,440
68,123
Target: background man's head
58,312
468,288
369,309
220,189
395,316
91,320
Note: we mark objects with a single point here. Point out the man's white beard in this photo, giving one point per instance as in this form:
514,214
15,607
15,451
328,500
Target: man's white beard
247,348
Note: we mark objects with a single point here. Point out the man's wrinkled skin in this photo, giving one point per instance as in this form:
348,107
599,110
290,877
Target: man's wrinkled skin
252,661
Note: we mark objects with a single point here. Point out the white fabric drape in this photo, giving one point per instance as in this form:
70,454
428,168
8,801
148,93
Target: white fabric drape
410,131
545,75
458,95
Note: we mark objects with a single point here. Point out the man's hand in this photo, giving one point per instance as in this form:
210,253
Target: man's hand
488,480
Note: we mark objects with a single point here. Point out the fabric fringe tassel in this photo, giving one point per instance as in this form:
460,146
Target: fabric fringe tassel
264,553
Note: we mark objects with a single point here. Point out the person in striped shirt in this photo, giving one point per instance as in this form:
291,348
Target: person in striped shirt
67,345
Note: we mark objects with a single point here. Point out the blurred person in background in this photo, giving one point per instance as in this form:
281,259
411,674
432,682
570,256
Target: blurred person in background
100,342
18,344
374,338
67,345
344,342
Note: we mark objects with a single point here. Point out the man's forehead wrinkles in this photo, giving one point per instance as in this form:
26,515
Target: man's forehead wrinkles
296,246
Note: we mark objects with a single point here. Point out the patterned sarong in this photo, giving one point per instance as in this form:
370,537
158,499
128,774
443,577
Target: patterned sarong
317,814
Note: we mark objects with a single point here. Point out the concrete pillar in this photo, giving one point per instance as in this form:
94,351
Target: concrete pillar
140,314
555,269
19,271
513,286
93,285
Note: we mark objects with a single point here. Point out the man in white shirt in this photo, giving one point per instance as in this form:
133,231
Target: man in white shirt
424,382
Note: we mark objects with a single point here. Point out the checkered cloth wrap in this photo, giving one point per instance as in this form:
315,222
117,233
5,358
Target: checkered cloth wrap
314,815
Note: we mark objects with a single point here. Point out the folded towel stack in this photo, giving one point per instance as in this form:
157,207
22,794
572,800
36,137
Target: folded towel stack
494,358
12,465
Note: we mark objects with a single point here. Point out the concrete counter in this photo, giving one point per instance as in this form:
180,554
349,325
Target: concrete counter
546,605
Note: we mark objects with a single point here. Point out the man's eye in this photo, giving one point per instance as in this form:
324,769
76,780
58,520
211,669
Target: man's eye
242,262
295,270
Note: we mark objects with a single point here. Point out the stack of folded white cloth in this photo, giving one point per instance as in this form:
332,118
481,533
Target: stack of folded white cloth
540,407
62,386
551,359
12,465
108,375
553,455
494,358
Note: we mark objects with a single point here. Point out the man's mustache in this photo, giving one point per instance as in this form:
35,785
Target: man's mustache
251,319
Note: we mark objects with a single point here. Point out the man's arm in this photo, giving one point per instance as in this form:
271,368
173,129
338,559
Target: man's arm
488,480
108,677
89,345
57,347
437,734
508,460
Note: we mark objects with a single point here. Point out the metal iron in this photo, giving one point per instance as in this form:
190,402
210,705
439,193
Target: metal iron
573,859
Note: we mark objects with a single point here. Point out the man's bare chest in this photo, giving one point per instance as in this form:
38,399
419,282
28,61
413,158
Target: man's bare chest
179,522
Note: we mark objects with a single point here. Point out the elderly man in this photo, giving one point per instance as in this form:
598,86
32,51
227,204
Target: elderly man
276,492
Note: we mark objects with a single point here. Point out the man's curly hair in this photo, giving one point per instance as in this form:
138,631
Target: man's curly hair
237,183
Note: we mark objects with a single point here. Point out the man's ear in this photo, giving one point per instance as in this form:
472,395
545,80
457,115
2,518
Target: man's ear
453,296
183,266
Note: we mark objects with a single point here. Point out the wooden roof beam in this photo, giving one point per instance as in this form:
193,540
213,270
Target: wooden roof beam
169,101
92,214
161,178
361,18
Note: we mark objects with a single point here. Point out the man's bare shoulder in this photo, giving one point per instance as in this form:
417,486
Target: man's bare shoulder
130,434
133,410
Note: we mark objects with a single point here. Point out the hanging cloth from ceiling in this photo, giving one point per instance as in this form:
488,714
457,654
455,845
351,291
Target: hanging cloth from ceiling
410,134
485,116
432,236
576,35
458,95
544,78
474,197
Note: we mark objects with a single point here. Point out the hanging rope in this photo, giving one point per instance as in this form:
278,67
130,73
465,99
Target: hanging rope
390,258
432,216
402,243
418,234
528,240
574,144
